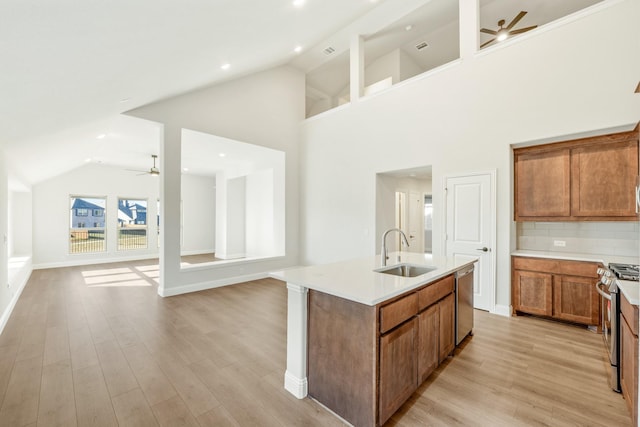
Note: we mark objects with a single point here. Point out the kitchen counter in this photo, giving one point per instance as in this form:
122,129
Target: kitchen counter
630,289
357,281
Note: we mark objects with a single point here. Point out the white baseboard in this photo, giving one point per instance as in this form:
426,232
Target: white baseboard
502,310
77,262
195,287
296,386
198,252
18,282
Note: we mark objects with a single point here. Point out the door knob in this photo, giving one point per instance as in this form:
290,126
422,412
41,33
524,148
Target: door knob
484,249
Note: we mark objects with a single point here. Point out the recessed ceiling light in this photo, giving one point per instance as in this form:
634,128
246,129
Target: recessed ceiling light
225,66
297,49
123,100
298,3
101,136
221,154
87,159
408,27
185,169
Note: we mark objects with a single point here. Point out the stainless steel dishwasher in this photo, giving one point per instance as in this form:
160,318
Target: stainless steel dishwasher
464,303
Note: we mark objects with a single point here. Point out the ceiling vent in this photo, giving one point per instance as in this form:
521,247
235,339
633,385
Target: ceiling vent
422,45
328,50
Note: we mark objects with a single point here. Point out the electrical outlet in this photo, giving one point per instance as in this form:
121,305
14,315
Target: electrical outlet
560,243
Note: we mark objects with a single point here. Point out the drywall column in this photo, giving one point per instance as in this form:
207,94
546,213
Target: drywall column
356,67
295,378
170,195
469,11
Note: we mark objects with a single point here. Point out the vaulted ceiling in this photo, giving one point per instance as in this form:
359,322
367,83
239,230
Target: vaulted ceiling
70,67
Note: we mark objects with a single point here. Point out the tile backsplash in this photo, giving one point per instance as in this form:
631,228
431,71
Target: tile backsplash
606,238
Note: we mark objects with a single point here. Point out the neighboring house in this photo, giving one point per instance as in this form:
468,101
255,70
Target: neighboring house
85,214
131,213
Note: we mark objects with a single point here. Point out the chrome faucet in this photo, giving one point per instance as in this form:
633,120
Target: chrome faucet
383,251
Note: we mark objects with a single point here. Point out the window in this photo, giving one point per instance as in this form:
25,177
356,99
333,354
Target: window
132,224
83,211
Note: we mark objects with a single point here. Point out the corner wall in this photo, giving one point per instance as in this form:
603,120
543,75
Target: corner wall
264,109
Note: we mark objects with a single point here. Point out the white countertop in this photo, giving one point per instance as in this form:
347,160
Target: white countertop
630,289
357,281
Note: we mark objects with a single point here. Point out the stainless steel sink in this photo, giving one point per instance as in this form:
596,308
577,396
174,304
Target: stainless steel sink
406,270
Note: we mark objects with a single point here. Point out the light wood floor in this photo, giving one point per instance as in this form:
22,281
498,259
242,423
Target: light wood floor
95,346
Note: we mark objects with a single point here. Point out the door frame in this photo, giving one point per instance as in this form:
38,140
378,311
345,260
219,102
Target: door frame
494,222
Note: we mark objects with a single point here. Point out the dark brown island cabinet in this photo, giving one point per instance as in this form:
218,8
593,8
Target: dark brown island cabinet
365,361
559,289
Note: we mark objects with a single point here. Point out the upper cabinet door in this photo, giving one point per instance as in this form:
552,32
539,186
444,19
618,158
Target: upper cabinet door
590,179
603,180
542,184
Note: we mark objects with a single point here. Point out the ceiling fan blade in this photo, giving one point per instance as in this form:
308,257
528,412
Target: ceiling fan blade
488,31
486,43
515,20
522,30
135,170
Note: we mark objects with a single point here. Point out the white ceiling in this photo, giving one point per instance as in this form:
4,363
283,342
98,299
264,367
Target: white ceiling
70,67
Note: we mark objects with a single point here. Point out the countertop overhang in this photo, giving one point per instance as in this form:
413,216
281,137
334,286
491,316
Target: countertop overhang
356,280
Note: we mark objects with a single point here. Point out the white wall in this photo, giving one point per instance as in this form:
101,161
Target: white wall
199,214
236,208
5,292
51,213
566,81
260,204
20,223
385,66
265,109
408,67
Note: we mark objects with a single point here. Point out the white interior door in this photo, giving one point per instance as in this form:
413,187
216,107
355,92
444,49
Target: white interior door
470,229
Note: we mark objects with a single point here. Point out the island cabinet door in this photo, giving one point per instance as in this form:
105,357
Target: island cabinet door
446,335
398,368
428,342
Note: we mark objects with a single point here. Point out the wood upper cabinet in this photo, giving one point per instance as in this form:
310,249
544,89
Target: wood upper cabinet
603,180
556,288
543,185
586,179
398,368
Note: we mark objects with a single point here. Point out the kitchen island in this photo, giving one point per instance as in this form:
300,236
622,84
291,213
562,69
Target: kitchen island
360,341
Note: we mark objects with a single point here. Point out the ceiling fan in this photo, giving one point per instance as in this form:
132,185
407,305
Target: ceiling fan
503,32
153,171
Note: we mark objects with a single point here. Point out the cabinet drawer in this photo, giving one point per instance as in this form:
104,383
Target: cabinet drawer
435,291
536,264
579,268
391,315
630,313
555,266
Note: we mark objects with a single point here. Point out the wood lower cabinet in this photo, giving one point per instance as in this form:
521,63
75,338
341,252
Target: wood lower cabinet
398,367
574,299
532,292
447,328
629,356
586,179
556,288
364,361
436,335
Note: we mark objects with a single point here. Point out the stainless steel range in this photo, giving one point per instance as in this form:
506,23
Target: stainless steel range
607,287
625,271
